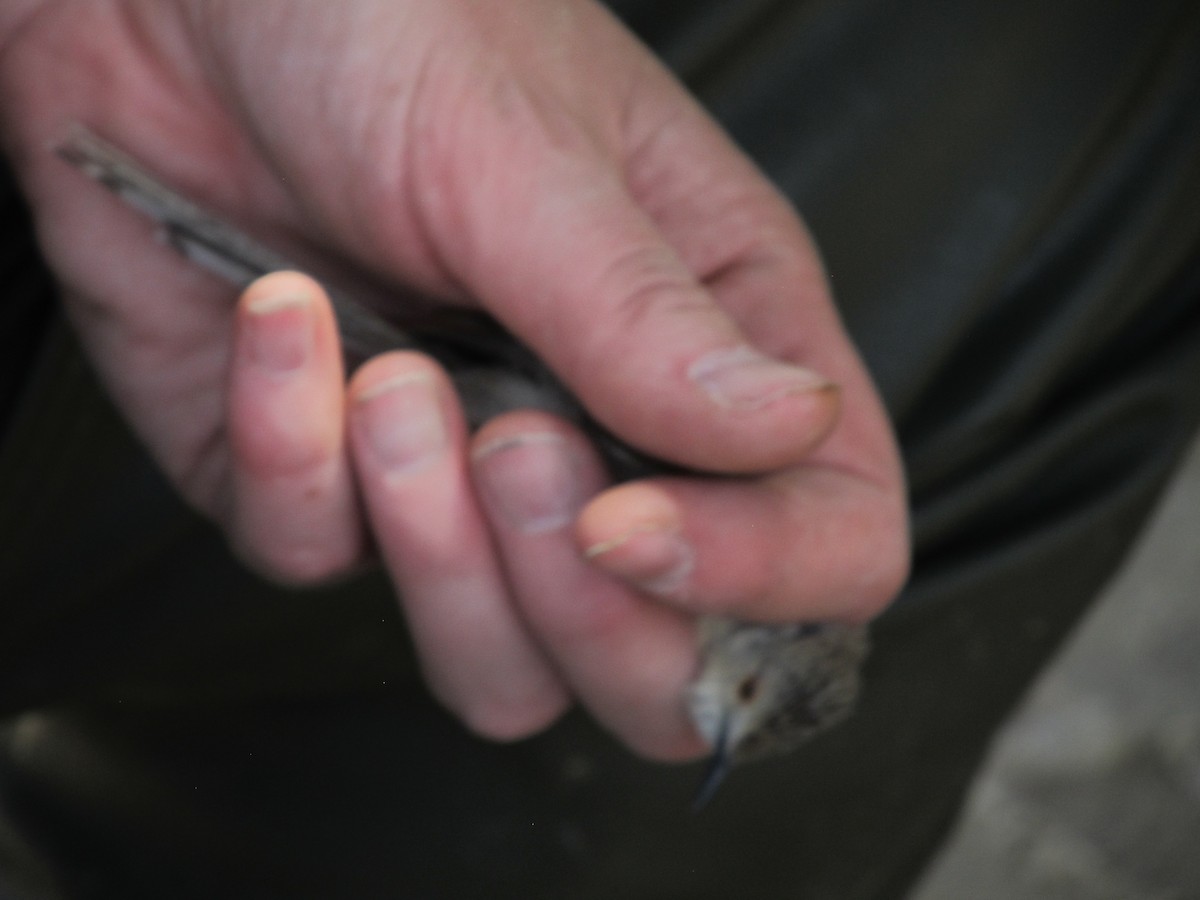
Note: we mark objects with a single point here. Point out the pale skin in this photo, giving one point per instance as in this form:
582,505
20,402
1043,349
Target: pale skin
527,156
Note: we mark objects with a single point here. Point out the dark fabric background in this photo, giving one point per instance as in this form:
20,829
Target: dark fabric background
1008,200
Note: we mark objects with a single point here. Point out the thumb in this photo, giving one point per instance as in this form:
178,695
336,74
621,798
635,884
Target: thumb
590,283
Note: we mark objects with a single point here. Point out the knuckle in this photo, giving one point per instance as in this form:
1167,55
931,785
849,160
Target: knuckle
272,446
651,283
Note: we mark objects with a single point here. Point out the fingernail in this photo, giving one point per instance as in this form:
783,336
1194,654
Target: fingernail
652,558
743,378
531,480
402,421
281,331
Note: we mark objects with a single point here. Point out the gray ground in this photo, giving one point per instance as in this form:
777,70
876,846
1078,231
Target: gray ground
1093,790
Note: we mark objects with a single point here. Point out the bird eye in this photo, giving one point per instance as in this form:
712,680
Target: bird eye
747,688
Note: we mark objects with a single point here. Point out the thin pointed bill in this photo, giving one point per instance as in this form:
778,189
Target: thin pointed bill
719,766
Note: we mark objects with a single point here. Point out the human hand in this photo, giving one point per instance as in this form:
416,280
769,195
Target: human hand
530,157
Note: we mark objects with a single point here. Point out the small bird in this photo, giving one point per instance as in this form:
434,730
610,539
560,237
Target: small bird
762,689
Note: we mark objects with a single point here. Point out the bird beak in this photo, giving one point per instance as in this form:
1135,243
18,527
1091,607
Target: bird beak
719,766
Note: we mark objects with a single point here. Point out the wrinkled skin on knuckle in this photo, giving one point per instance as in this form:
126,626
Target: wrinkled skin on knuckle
649,280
